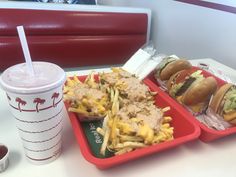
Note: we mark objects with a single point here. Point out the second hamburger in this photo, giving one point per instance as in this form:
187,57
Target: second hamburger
191,88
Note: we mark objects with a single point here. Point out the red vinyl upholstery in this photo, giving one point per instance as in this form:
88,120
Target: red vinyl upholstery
71,38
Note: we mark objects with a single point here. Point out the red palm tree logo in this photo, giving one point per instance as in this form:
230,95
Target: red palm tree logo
38,102
20,102
54,96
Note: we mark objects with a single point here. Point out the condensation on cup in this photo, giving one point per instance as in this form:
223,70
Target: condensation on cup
36,103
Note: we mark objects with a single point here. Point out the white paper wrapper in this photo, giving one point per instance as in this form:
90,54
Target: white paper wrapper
213,120
210,119
215,71
137,61
143,62
162,84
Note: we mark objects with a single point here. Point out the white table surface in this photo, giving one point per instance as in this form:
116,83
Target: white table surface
193,159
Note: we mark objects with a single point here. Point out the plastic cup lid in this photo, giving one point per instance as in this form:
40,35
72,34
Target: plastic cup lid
16,79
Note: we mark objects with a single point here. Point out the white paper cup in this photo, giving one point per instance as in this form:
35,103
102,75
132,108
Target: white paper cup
38,114
4,161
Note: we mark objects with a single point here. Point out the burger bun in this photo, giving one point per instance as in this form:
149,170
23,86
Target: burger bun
218,97
173,67
200,91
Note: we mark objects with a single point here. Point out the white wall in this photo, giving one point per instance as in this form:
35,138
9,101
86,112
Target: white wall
188,30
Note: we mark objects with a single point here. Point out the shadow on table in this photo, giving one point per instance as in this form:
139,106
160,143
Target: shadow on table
224,142
14,159
68,137
158,159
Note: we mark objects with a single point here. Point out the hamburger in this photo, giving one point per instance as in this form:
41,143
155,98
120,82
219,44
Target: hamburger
170,66
223,103
191,88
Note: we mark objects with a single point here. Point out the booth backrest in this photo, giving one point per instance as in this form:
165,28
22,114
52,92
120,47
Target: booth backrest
71,38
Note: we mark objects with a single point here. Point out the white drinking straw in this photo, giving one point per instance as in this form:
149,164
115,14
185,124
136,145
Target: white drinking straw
25,48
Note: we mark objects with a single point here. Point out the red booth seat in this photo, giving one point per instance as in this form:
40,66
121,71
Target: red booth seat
72,38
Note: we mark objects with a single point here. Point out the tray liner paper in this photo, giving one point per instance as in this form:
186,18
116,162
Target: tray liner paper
94,138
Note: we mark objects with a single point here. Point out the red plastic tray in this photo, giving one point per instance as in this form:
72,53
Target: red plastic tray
207,134
184,130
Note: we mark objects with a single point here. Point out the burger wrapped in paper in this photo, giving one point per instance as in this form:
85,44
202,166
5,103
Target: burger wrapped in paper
223,103
169,66
190,88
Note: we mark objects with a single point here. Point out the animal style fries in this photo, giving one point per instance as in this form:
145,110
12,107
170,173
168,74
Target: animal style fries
132,119
134,126
130,88
86,98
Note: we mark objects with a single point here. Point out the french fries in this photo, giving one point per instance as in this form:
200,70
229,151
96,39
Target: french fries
127,85
120,137
86,98
120,134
